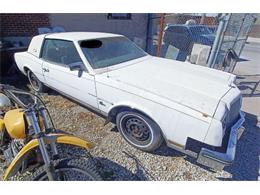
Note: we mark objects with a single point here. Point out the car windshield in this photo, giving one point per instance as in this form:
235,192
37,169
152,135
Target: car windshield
200,30
105,52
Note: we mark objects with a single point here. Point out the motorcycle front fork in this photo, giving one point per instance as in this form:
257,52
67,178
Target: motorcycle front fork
49,167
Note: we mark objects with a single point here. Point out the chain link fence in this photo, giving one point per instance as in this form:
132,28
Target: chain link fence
203,39
182,36
233,39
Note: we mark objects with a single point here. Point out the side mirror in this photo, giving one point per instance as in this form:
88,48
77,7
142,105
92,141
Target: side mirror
77,66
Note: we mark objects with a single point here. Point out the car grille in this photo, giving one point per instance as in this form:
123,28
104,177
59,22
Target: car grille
233,113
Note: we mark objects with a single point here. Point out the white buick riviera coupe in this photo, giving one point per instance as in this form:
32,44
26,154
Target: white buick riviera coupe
150,99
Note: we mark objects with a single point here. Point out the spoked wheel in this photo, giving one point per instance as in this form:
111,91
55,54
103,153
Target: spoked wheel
140,131
76,169
36,84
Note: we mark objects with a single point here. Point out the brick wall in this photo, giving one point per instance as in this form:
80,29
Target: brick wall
22,24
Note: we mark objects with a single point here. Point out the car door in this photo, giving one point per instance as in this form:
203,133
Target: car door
79,85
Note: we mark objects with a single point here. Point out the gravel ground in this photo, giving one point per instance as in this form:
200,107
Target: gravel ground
120,161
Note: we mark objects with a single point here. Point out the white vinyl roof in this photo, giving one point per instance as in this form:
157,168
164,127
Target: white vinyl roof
77,36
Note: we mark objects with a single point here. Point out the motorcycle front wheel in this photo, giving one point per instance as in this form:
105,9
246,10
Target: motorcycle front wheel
70,169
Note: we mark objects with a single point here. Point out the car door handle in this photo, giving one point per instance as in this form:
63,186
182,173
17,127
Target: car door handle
102,103
45,70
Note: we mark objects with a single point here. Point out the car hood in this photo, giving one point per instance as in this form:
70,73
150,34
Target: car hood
158,79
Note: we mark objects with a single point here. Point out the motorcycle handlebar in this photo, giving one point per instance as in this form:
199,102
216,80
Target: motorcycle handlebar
10,91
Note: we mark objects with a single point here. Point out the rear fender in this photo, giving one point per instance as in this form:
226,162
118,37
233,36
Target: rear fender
33,144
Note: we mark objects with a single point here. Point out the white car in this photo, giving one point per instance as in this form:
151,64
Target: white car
150,99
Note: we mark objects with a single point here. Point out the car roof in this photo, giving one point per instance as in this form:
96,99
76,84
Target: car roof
77,36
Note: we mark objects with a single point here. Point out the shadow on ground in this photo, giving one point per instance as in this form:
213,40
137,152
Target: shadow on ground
165,151
246,164
112,171
249,85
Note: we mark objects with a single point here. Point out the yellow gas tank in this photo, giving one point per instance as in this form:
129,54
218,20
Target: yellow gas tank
14,122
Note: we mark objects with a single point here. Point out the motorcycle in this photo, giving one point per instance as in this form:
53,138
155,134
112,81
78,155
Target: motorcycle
30,146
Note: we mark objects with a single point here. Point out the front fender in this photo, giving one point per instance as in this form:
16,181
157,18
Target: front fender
59,138
126,104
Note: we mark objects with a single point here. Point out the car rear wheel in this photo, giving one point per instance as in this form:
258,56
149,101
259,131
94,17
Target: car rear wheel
36,84
139,130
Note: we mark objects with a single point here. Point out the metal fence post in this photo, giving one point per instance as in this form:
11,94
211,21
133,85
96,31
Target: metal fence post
219,36
158,53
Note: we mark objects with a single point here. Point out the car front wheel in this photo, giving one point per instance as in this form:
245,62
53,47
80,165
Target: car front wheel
139,130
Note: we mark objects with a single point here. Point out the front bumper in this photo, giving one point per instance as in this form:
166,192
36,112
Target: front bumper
218,160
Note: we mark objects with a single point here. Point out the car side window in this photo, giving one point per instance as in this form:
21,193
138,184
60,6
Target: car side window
61,52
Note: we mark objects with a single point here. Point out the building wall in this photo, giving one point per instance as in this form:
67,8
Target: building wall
135,28
22,24
21,27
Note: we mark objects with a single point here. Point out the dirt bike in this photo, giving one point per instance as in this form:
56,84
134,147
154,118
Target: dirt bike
30,146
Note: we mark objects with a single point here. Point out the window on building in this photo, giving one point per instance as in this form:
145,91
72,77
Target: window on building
119,16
